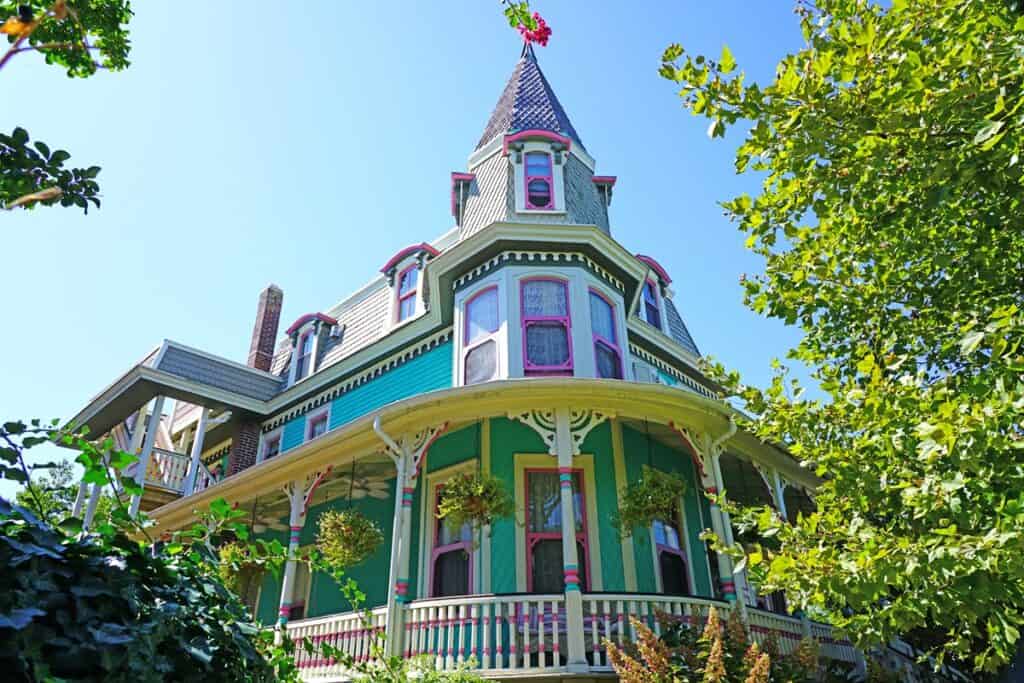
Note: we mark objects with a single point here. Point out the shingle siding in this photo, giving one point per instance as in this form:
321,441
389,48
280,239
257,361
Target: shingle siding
677,328
220,374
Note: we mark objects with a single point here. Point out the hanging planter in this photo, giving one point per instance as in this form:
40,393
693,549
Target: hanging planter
239,569
475,499
347,538
655,496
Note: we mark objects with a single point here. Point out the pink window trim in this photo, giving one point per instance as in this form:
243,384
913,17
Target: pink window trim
610,343
315,419
465,307
549,179
309,317
401,255
411,294
566,320
533,536
660,548
268,443
438,550
534,133
656,267
604,180
458,178
307,367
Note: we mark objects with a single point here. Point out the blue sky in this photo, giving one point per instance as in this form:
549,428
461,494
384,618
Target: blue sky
305,143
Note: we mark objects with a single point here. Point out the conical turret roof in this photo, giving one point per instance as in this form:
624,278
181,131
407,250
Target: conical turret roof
528,103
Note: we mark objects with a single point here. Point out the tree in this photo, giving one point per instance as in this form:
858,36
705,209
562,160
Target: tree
889,220
81,36
56,491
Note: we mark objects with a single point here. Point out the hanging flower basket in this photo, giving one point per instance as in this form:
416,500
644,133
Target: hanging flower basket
475,499
655,496
347,538
239,569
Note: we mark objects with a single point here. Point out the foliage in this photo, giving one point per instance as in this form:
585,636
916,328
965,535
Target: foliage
55,493
889,221
80,36
474,498
531,27
655,496
346,538
716,654
242,565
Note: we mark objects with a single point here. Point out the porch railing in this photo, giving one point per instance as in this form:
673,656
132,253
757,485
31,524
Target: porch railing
520,634
168,470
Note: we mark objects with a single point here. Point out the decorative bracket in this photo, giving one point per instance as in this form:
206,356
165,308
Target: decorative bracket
542,422
419,446
696,454
580,424
301,495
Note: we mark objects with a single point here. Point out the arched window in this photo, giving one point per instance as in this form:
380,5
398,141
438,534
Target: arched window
539,184
451,571
607,355
547,341
480,349
407,285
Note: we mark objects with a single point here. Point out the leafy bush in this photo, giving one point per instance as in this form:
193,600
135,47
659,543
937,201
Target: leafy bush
475,499
347,538
655,496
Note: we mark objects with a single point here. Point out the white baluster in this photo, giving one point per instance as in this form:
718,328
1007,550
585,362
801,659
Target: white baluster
526,634
485,660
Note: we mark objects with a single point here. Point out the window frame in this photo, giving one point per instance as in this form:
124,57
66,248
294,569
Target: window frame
680,552
313,418
549,178
492,335
582,537
656,302
436,550
304,361
412,294
529,368
598,339
268,438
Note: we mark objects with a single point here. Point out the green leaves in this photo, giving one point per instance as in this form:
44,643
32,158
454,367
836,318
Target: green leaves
32,176
726,63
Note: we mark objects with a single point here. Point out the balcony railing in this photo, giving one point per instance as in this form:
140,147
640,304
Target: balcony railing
168,470
518,634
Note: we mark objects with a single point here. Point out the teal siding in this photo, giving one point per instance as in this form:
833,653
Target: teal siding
427,372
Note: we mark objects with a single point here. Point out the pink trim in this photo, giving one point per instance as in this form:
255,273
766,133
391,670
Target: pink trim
548,178
306,367
657,301
604,180
533,536
437,550
565,320
266,446
312,489
660,548
411,294
693,449
307,318
656,267
413,249
315,419
535,133
456,179
610,343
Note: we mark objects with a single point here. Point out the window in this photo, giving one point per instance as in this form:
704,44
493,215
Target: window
671,557
481,350
652,309
271,446
450,567
544,564
300,592
539,184
407,281
317,426
547,342
303,362
607,356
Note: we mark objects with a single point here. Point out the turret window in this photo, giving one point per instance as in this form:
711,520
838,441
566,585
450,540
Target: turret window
652,307
607,355
539,181
407,284
547,340
481,355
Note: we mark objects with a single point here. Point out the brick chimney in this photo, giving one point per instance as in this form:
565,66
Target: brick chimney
264,330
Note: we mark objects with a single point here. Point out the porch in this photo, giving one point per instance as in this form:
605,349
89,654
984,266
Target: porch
527,635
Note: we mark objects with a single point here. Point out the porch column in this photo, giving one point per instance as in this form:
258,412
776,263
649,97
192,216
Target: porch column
779,491
573,598
147,451
708,481
80,500
197,452
397,586
296,520
739,580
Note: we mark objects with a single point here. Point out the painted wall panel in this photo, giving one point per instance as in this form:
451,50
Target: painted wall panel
294,433
599,444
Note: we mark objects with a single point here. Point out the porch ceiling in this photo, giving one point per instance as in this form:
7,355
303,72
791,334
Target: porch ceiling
628,401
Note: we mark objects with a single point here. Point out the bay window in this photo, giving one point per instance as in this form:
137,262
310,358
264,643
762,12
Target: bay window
652,306
480,355
547,340
451,569
539,181
408,280
607,354
544,560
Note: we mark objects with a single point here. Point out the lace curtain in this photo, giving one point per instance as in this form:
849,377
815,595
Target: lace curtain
544,299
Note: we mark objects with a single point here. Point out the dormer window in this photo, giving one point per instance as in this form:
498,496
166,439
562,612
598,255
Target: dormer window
406,292
652,306
539,181
304,351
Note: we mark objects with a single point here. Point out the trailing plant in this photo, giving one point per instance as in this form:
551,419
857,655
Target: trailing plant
346,538
655,496
474,498
242,565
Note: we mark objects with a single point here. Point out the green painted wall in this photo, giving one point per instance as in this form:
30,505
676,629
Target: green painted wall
639,452
599,444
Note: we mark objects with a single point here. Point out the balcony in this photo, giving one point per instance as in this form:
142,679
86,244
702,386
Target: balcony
526,635
166,478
